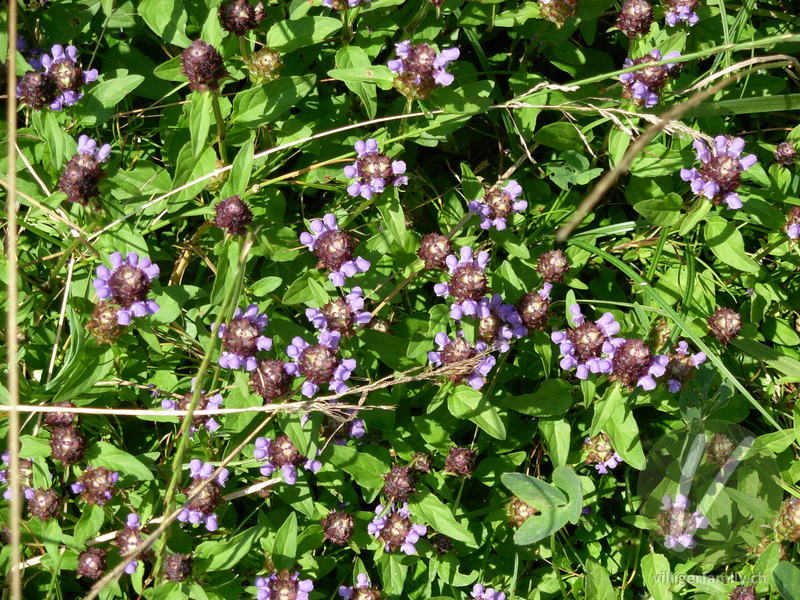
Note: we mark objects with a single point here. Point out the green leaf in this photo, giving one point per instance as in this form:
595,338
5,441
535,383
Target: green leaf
433,512
58,143
787,580
284,550
566,479
467,403
353,57
256,106
699,210
556,433
470,98
264,286
226,554
663,211
533,491
654,569
552,399
785,364
32,447
110,92
727,244
366,469
200,120
239,175
375,74
89,525
103,454
289,35
538,527
167,18
598,584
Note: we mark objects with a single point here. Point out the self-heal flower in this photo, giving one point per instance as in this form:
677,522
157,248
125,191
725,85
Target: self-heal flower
533,308
128,539
681,11
719,176
362,590
452,352
342,314
92,563
95,485
62,64
334,249
373,170
785,153
634,365
498,323
37,89
681,366
635,18
393,527
483,593
420,68
283,585
557,11
600,453
67,444
787,522
467,282
233,215
792,228
644,85
239,16
82,174
433,250
319,363
677,524
177,567
337,527
127,284
342,5
202,509
203,66
587,347
44,504
552,266
497,205
725,324
242,340
204,402
25,471
270,379
282,455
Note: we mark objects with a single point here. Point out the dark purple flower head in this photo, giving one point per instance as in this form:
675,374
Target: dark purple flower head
43,504
338,527
102,325
497,205
724,324
62,64
204,402
334,249
600,453
420,462
128,539
242,340
460,461
533,308
320,363
785,153
92,563
25,471
557,11
239,16
719,176
644,85
342,315
498,323
178,567
681,366
283,585
399,483
362,590
467,282
420,68
483,593
519,512
203,66
393,527
67,444
128,284
793,223
635,18
787,523
552,266
457,350
677,524
433,250
719,449
37,89
634,364
95,485
282,455
82,174
681,11
342,5
60,419
203,508
232,215
373,171
743,592
270,379
588,347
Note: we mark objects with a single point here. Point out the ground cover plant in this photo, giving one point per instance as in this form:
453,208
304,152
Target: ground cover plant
401,299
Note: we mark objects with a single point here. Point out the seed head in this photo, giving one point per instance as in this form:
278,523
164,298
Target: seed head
420,463
534,308
558,11
233,215
203,66
719,449
552,266
239,16
178,567
398,483
264,65
787,525
338,527
103,325
60,419
724,324
635,18
270,379
460,462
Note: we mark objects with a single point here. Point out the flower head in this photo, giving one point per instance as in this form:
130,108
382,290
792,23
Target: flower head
362,590
399,483
644,85
96,485
127,540
203,66
419,68
677,524
239,16
467,283
242,340
69,76
681,366
232,215
270,379
283,585
787,523
102,325
635,18
37,89
92,563
202,509
43,504
342,314
719,176
334,249
483,593
792,228
558,11
497,205
393,527
498,323
743,592
534,308
785,153
552,266
178,567
204,402
518,512
724,324
600,452
634,364
264,65
338,527
282,455
433,250
681,11
373,171
82,174
127,284
25,474
588,347
342,5
67,444
460,461
320,363
458,350
719,449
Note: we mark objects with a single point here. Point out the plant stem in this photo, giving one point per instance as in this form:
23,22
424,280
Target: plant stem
243,49
223,155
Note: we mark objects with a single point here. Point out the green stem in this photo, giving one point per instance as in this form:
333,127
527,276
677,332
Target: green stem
223,155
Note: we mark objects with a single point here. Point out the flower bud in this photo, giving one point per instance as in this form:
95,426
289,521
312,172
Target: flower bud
37,90
338,527
460,462
398,483
103,325
264,65
270,379
724,324
433,249
67,444
178,567
44,504
719,449
92,563
785,153
203,66
233,215
239,16
552,266
635,18
60,419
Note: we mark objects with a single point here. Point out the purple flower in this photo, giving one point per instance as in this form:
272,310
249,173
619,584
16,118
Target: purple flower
203,403
587,347
334,249
342,5
458,349
467,282
420,68
600,452
719,176
681,366
128,539
25,475
342,314
481,593
644,85
362,590
498,204
202,509
681,11
282,585
95,485
393,527
282,455
242,339
793,223
128,284
82,174
677,524
373,171
63,65
634,365
498,323
319,364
